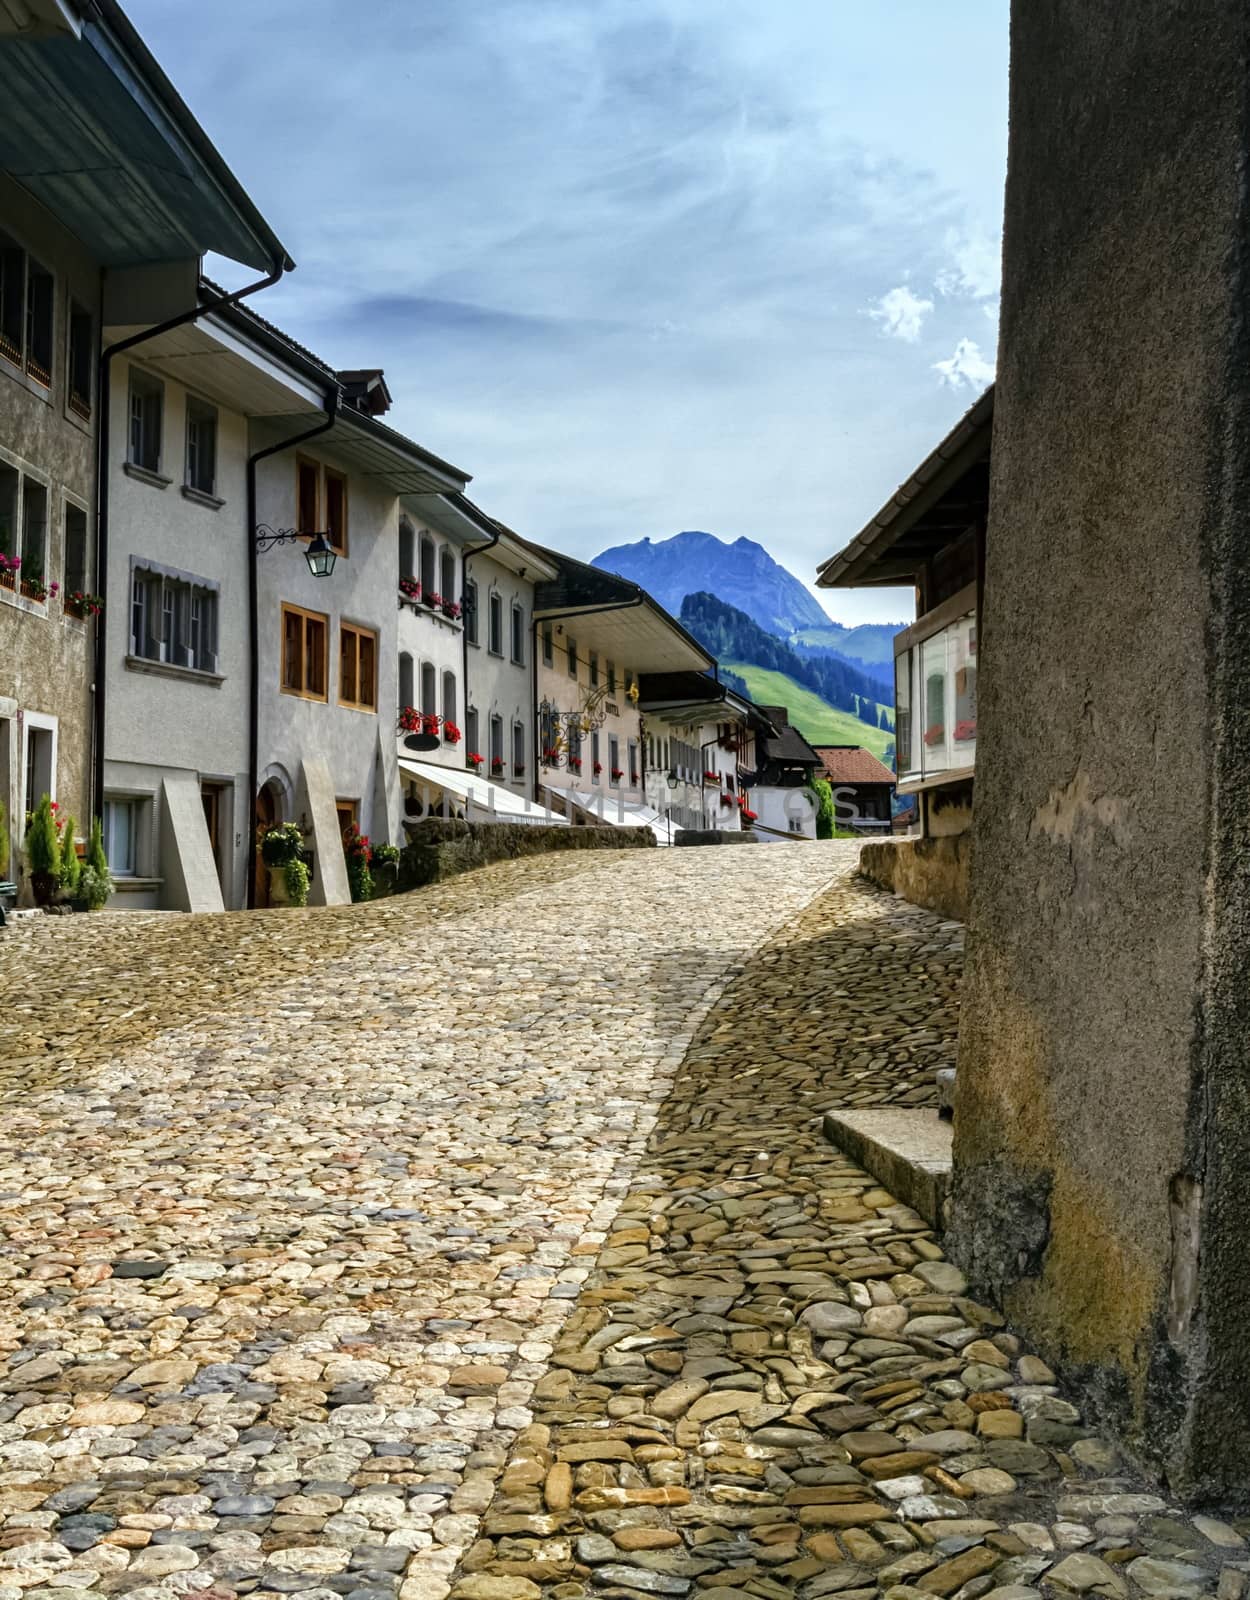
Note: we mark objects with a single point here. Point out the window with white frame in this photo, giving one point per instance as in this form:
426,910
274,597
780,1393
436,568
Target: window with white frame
34,568
173,619
74,565
27,312
596,764
447,574
147,407
592,668
470,611
571,649
518,749
407,679
549,654
496,745
426,554
470,732
201,446
121,836
449,697
518,635
935,698
81,361
614,758
494,641
429,689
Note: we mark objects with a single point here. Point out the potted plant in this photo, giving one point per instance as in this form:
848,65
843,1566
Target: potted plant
37,589
496,766
9,566
451,609
451,733
281,850
71,866
575,763
598,768
83,605
95,883
410,588
384,863
617,774
356,850
711,777
409,720
434,601
472,759
749,816
727,801
550,756
42,847
633,777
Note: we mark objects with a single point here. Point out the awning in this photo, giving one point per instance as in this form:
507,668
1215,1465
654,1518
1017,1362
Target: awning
614,811
483,801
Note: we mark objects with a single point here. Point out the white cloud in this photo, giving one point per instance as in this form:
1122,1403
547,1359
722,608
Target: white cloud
966,366
976,266
901,313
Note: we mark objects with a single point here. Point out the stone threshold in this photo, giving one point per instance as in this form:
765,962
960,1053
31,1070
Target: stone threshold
907,1150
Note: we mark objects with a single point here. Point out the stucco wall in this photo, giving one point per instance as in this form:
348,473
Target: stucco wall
1102,1131
557,684
776,808
361,590
163,719
45,655
430,638
497,685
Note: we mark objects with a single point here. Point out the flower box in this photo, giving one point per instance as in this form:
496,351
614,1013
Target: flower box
451,733
598,768
966,731
935,734
496,764
473,760
410,588
748,815
575,763
518,769
451,609
616,774
434,601
727,801
413,721
711,777
36,589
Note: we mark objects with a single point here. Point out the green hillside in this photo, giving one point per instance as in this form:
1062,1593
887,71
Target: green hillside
869,641
816,719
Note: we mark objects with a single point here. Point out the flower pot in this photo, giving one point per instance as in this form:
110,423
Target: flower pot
277,887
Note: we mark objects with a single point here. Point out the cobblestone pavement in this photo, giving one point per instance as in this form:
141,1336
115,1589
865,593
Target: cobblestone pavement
342,1252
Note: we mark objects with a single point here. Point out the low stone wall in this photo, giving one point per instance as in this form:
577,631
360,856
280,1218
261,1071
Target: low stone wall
438,848
928,872
713,836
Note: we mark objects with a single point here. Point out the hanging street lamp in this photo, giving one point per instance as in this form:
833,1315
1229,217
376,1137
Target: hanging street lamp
320,553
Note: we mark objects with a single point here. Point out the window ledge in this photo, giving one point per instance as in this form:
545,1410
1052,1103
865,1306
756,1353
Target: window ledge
201,497
170,669
158,480
25,381
123,883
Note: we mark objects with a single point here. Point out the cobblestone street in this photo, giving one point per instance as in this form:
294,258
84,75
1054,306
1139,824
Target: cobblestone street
485,1239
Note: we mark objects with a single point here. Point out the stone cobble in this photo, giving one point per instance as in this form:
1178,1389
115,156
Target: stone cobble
293,1206
774,1384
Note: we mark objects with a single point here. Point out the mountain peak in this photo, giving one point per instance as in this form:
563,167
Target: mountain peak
742,574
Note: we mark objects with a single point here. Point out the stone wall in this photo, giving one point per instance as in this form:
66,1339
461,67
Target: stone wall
1102,1149
695,836
928,872
440,849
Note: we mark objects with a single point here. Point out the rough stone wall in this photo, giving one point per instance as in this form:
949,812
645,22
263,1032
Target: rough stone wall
1102,1122
440,849
928,872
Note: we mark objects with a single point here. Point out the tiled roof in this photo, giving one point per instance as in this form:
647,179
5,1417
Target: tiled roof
851,763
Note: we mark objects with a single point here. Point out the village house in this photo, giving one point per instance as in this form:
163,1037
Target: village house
596,634
782,794
111,259
863,787
699,741
931,533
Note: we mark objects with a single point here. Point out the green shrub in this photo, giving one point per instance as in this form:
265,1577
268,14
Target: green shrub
384,855
43,852
823,791
95,883
71,867
281,845
295,877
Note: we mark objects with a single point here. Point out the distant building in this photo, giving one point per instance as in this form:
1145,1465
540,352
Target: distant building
699,741
782,792
863,787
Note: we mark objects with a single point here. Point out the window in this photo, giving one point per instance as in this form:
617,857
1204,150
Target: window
470,733
611,678
796,825
426,574
614,758
358,667
173,619
571,647
518,635
147,402
40,315
33,570
407,682
449,696
429,690
592,663
634,773
936,701
347,812
10,482
12,300
307,495
74,571
518,749
496,743
495,636
407,547
336,510
594,756
304,636
470,611
548,647
447,574
201,446
40,764
121,836
81,361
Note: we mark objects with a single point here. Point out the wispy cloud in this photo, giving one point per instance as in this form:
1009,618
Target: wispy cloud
901,313
967,368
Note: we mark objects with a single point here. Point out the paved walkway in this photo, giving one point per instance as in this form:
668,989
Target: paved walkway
342,1252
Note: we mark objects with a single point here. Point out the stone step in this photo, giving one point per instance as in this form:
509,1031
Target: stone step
908,1152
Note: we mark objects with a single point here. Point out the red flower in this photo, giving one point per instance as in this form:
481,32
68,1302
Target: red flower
598,767
474,759
451,733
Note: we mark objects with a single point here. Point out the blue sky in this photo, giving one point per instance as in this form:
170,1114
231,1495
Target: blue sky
638,265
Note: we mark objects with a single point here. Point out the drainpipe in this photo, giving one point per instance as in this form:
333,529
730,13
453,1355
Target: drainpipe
253,624
102,485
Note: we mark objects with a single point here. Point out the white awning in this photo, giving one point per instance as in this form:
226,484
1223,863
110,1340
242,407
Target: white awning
612,810
482,800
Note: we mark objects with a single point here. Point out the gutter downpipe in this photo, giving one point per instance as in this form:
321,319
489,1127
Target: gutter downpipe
253,624
102,482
